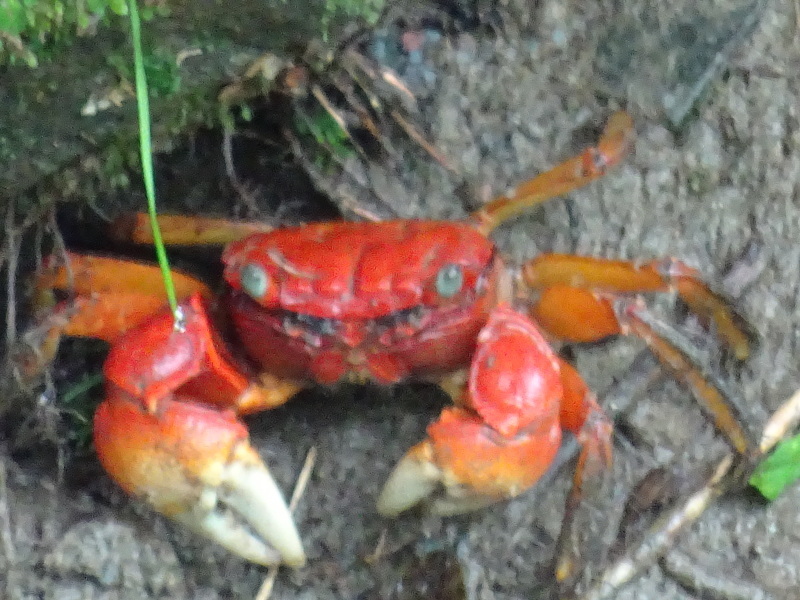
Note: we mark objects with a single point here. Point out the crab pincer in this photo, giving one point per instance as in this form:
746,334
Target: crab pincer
166,433
507,428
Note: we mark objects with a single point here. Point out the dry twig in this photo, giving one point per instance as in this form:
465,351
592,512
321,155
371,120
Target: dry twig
11,256
662,535
265,591
5,518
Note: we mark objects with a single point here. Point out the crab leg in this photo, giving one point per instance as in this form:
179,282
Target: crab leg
184,229
578,304
570,175
708,392
108,296
507,430
571,280
105,298
582,415
167,432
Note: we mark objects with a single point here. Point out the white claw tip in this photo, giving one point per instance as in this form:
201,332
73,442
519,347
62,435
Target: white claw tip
409,484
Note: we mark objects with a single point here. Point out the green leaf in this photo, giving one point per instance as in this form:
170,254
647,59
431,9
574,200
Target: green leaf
97,7
13,18
118,7
779,469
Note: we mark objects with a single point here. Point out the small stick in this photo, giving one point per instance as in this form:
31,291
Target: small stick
5,518
265,591
12,256
233,177
420,140
388,75
321,181
662,535
796,18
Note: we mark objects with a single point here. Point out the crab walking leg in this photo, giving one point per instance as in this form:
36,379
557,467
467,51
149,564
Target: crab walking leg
573,173
105,298
577,304
506,432
568,281
167,432
709,393
108,296
184,229
581,415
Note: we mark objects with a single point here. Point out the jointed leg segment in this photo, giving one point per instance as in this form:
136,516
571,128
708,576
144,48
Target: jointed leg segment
566,177
585,299
565,279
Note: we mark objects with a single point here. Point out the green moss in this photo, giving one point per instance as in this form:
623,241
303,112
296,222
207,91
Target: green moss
32,30
368,10
160,67
339,11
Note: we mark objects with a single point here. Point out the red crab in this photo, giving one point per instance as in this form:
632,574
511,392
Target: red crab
386,302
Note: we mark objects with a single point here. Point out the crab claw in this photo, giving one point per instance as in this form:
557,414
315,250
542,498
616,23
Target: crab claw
502,438
194,464
168,432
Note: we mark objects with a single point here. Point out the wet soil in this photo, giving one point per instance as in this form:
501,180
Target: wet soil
499,110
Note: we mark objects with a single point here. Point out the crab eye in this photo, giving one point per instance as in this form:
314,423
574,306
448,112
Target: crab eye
449,280
254,280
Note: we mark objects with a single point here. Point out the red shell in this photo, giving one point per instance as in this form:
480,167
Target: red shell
359,270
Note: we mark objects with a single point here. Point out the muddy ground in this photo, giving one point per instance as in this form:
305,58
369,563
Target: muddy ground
500,108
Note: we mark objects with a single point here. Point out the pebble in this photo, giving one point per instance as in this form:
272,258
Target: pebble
409,53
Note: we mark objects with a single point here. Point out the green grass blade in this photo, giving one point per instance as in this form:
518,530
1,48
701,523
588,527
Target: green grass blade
145,145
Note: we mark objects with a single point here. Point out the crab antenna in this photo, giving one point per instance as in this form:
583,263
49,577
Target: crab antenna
573,173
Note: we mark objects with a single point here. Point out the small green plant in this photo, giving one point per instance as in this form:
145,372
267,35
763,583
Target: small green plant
34,29
368,10
779,469
161,68
77,405
327,133
325,130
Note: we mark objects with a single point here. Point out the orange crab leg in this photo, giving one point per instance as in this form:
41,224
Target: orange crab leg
574,314
727,416
184,230
570,175
582,415
566,279
577,304
168,433
109,296
105,298
87,274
